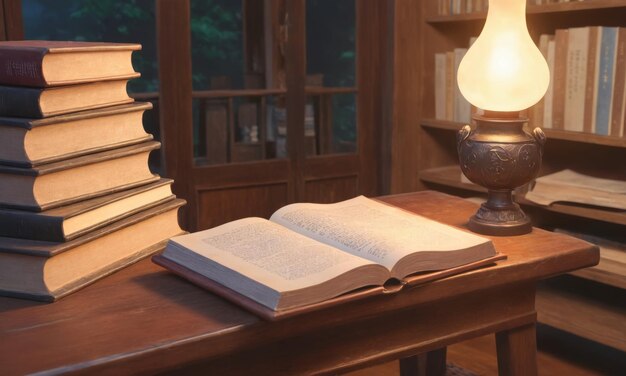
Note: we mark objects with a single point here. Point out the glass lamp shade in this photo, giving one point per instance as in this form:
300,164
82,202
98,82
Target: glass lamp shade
504,70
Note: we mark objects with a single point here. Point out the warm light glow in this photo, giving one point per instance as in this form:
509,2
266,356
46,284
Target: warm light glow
504,70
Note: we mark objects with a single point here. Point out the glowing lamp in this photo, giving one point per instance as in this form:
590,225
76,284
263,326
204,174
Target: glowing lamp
501,74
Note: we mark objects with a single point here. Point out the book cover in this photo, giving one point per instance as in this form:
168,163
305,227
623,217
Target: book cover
310,253
606,72
462,109
617,106
450,86
560,76
92,256
38,63
549,97
440,86
593,61
40,103
28,142
72,221
76,179
576,77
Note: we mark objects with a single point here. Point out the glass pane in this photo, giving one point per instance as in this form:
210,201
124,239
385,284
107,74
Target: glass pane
99,21
105,21
331,50
238,116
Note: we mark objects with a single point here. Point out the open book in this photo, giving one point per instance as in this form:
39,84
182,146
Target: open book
310,253
572,186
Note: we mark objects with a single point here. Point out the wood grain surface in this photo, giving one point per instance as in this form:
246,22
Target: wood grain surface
145,319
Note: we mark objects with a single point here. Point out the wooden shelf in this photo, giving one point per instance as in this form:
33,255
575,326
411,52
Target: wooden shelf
535,9
587,138
583,308
233,93
451,176
611,270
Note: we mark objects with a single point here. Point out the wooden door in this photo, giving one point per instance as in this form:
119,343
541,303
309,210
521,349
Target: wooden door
221,189
224,175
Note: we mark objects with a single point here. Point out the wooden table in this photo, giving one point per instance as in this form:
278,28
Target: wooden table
143,319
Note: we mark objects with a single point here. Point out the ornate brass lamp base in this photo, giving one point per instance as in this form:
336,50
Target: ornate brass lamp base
500,156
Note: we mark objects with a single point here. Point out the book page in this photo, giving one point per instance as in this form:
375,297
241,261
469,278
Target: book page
373,230
571,186
269,254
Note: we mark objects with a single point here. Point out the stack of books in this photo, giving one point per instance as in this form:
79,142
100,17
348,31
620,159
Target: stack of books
588,84
77,198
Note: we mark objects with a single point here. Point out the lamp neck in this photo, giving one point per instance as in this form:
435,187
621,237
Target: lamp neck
502,12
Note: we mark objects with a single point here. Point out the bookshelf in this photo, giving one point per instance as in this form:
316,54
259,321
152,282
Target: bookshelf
436,161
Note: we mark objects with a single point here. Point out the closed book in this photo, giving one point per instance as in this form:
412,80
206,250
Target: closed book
450,86
606,72
576,77
440,86
56,184
560,77
40,103
591,97
617,106
536,113
549,97
71,221
48,271
38,63
462,108
31,142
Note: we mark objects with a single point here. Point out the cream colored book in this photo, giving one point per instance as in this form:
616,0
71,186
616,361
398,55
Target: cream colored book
309,253
571,186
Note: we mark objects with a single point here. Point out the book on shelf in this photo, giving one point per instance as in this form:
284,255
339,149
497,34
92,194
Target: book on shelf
30,142
616,125
611,269
440,86
71,221
48,271
56,184
576,76
450,104
309,254
574,187
561,39
606,71
588,81
462,108
37,103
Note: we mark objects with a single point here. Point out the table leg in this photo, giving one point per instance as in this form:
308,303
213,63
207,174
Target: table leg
517,351
433,363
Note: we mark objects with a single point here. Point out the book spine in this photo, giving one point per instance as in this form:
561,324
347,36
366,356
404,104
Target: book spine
536,113
578,43
548,99
20,102
591,80
15,224
462,110
605,79
22,68
450,82
620,82
560,71
440,86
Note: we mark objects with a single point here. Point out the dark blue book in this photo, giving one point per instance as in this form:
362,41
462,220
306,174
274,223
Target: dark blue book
606,72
